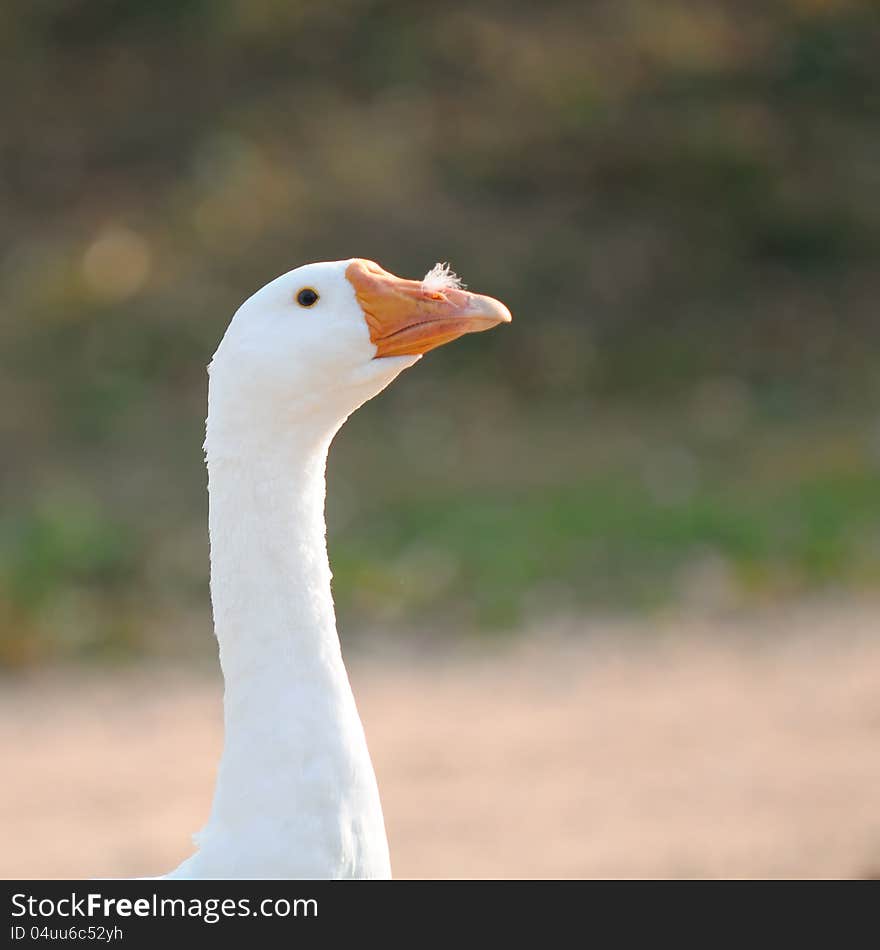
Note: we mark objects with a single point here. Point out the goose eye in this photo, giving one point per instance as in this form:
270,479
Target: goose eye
307,297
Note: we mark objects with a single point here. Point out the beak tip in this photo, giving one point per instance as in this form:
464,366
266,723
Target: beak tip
496,310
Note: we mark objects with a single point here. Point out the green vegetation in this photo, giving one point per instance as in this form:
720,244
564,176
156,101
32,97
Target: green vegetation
677,201
651,519
611,544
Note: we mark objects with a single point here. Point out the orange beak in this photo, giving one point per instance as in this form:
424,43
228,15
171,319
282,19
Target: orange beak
406,319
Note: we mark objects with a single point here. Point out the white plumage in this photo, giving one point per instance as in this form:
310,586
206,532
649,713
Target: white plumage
296,795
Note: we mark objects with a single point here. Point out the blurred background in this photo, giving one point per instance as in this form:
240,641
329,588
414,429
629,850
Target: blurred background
644,518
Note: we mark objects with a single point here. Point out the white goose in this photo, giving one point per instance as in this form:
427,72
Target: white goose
296,794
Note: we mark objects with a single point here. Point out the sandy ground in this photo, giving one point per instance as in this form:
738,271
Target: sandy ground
748,748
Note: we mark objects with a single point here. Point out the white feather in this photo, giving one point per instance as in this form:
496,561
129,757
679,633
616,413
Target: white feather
442,277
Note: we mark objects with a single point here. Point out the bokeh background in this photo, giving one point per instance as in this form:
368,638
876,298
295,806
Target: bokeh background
667,467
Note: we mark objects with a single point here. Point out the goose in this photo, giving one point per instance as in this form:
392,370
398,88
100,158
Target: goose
296,794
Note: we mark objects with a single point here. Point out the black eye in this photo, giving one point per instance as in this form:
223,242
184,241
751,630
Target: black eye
307,297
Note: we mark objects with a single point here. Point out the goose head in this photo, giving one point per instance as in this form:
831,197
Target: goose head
320,340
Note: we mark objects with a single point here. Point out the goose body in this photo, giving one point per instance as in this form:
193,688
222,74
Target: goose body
296,794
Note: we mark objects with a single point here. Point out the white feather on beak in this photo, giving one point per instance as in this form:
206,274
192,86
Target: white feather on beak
442,277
